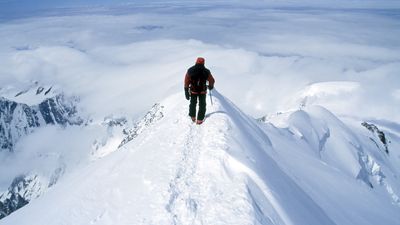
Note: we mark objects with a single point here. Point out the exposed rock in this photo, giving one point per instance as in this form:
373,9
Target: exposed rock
152,116
375,130
18,120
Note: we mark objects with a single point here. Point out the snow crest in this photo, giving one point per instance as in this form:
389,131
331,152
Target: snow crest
229,170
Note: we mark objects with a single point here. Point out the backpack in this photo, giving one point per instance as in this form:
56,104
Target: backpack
198,78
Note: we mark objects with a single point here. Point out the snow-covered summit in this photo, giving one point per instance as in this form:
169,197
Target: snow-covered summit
29,93
231,170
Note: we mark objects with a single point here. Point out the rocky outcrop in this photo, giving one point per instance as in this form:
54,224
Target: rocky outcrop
155,114
379,134
25,188
18,119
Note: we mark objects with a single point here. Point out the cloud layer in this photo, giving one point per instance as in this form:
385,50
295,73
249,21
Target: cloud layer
263,58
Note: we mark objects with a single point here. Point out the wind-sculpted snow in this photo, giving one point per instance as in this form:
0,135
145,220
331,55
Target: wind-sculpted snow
347,148
229,170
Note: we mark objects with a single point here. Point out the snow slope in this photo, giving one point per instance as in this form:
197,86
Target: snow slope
230,170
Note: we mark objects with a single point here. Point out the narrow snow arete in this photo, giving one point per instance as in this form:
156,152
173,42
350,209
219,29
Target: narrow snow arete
230,170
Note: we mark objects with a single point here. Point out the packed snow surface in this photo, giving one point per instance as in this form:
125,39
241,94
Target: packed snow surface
230,170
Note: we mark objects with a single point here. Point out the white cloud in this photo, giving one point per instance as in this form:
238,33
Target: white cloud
396,94
116,62
47,149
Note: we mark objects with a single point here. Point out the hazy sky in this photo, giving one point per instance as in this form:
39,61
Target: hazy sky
27,5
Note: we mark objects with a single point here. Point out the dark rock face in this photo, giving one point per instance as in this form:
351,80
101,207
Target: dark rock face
24,188
12,199
59,110
375,130
18,120
11,204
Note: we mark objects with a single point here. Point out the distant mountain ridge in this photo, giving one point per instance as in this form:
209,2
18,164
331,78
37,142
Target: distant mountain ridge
18,119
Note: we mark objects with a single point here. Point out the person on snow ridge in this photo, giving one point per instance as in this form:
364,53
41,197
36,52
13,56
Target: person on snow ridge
195,87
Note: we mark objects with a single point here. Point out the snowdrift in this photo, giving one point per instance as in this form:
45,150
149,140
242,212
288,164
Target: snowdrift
313,169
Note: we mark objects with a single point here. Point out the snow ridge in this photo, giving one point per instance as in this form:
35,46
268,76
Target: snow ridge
204,190
229,170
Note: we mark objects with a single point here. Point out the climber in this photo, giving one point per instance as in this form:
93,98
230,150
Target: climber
196,89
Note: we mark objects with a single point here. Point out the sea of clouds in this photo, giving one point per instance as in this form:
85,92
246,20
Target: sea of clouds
264,55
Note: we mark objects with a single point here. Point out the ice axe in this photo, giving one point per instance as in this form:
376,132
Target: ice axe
211,98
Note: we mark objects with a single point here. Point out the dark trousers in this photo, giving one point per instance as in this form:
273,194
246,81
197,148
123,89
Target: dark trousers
202,106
